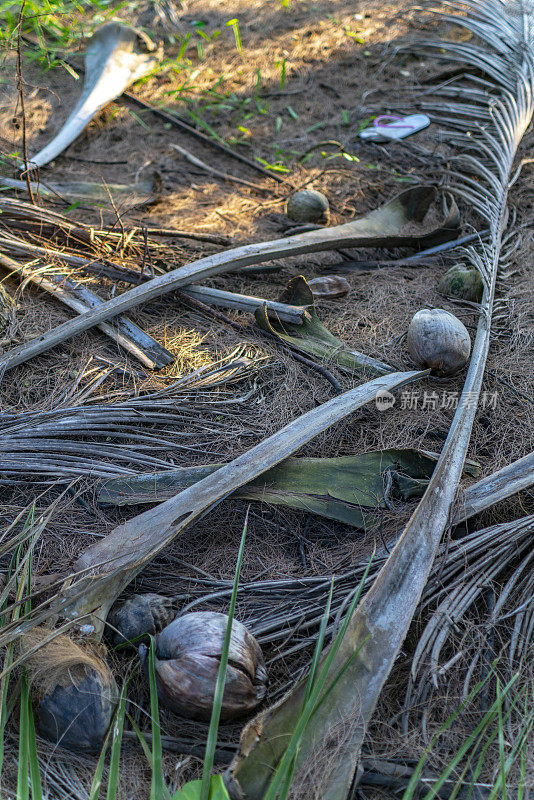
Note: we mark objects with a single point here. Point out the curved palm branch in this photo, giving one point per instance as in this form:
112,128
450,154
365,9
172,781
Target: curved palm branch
503,102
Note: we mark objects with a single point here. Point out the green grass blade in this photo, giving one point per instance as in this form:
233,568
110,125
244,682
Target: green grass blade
523,762
156,786
142,741
518,747
23,783
280,785
502,754
4,710
310,684
319,645
117,729
461,781
412,787
467,745
96,784
279,780
480,730
489,739
35,772
146,749
25,755
211,744
288,779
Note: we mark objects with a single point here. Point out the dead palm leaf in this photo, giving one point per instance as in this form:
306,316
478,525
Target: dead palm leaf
105,439
470,573
480,173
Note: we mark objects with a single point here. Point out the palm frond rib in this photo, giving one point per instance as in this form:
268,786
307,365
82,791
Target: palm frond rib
503,50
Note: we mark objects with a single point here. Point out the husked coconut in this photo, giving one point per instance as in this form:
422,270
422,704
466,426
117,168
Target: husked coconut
308,205
437,340
187,659
329,287
75,689
462,282
140,615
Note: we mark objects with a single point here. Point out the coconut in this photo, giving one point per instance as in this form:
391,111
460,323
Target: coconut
139,616
75,689
329,287
187,660
462,282
437,340
308,205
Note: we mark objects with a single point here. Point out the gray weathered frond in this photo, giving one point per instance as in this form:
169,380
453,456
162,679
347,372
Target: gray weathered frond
103,439
477,569
489,121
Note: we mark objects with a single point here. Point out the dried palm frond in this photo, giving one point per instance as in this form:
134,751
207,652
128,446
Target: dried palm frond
114,562
496,111
7,316
101,439
95,263
387,225
78,297
40,226
514,478
101,572
465,579
116,56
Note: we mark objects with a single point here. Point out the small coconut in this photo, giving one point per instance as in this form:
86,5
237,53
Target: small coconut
140,615
308,205
437,340
329,287
75,689
187,658
462,282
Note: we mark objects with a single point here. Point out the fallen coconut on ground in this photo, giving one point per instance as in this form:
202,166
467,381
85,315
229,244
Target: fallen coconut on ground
187,658
308,205
437,340
462,282
75,690
139,616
